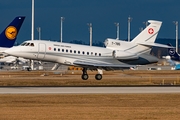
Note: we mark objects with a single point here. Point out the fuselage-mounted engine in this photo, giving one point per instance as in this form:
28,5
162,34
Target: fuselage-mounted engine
124,55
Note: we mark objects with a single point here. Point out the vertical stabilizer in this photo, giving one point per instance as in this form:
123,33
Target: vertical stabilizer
9,35
149,34
173,54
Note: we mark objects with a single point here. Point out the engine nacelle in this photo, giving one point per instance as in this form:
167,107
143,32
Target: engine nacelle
124,55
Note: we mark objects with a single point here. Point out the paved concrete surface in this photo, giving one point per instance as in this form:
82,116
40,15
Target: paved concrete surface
87,90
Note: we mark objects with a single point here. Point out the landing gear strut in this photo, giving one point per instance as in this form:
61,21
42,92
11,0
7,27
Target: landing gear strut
84,75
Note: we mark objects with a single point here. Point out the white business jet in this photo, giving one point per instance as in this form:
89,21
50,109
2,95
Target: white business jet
117,54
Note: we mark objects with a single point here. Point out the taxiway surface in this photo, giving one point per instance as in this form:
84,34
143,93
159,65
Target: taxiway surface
87,90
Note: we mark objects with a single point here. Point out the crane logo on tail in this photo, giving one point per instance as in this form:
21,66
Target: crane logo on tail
11,32
172,51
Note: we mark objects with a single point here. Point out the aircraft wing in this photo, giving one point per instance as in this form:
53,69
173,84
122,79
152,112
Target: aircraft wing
101,64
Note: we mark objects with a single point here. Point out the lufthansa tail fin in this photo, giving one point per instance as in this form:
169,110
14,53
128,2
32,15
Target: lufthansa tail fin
9,35
173,54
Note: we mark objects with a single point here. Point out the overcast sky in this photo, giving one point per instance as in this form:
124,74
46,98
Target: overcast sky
101,13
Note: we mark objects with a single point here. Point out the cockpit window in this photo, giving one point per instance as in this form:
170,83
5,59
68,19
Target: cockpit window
27,44
23,43
32,44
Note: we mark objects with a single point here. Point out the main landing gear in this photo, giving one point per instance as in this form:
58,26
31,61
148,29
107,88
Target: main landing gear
85,75
98,76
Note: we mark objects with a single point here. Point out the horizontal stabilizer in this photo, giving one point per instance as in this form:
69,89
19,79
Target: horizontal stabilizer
156,45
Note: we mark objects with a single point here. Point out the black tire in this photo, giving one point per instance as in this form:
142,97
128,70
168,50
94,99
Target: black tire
98,76
84,76
28,69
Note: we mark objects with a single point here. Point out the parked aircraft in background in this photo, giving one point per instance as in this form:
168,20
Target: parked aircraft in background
8,38
13,60
9,34
117,54
173,58
173,54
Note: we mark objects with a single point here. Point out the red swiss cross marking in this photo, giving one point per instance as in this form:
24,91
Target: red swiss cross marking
49,48
151,31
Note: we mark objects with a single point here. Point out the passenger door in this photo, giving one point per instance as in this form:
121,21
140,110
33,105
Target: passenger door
41,50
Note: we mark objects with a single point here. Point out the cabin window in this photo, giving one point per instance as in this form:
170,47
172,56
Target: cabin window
70,51
62,50
95,54
54,49
74,51
99,54
58,49
91,53
83,52
79,52
87,53
66,50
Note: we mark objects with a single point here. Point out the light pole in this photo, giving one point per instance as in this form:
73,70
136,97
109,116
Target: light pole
32,24
39,32
176,23
129,23
32,32
145,23
141,29
117,25
90,32
62,19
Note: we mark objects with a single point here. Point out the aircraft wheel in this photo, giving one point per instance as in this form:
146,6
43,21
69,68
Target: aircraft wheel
84,76
28,69
98,76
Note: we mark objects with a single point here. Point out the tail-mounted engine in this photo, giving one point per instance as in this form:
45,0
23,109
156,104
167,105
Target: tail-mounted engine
123,55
